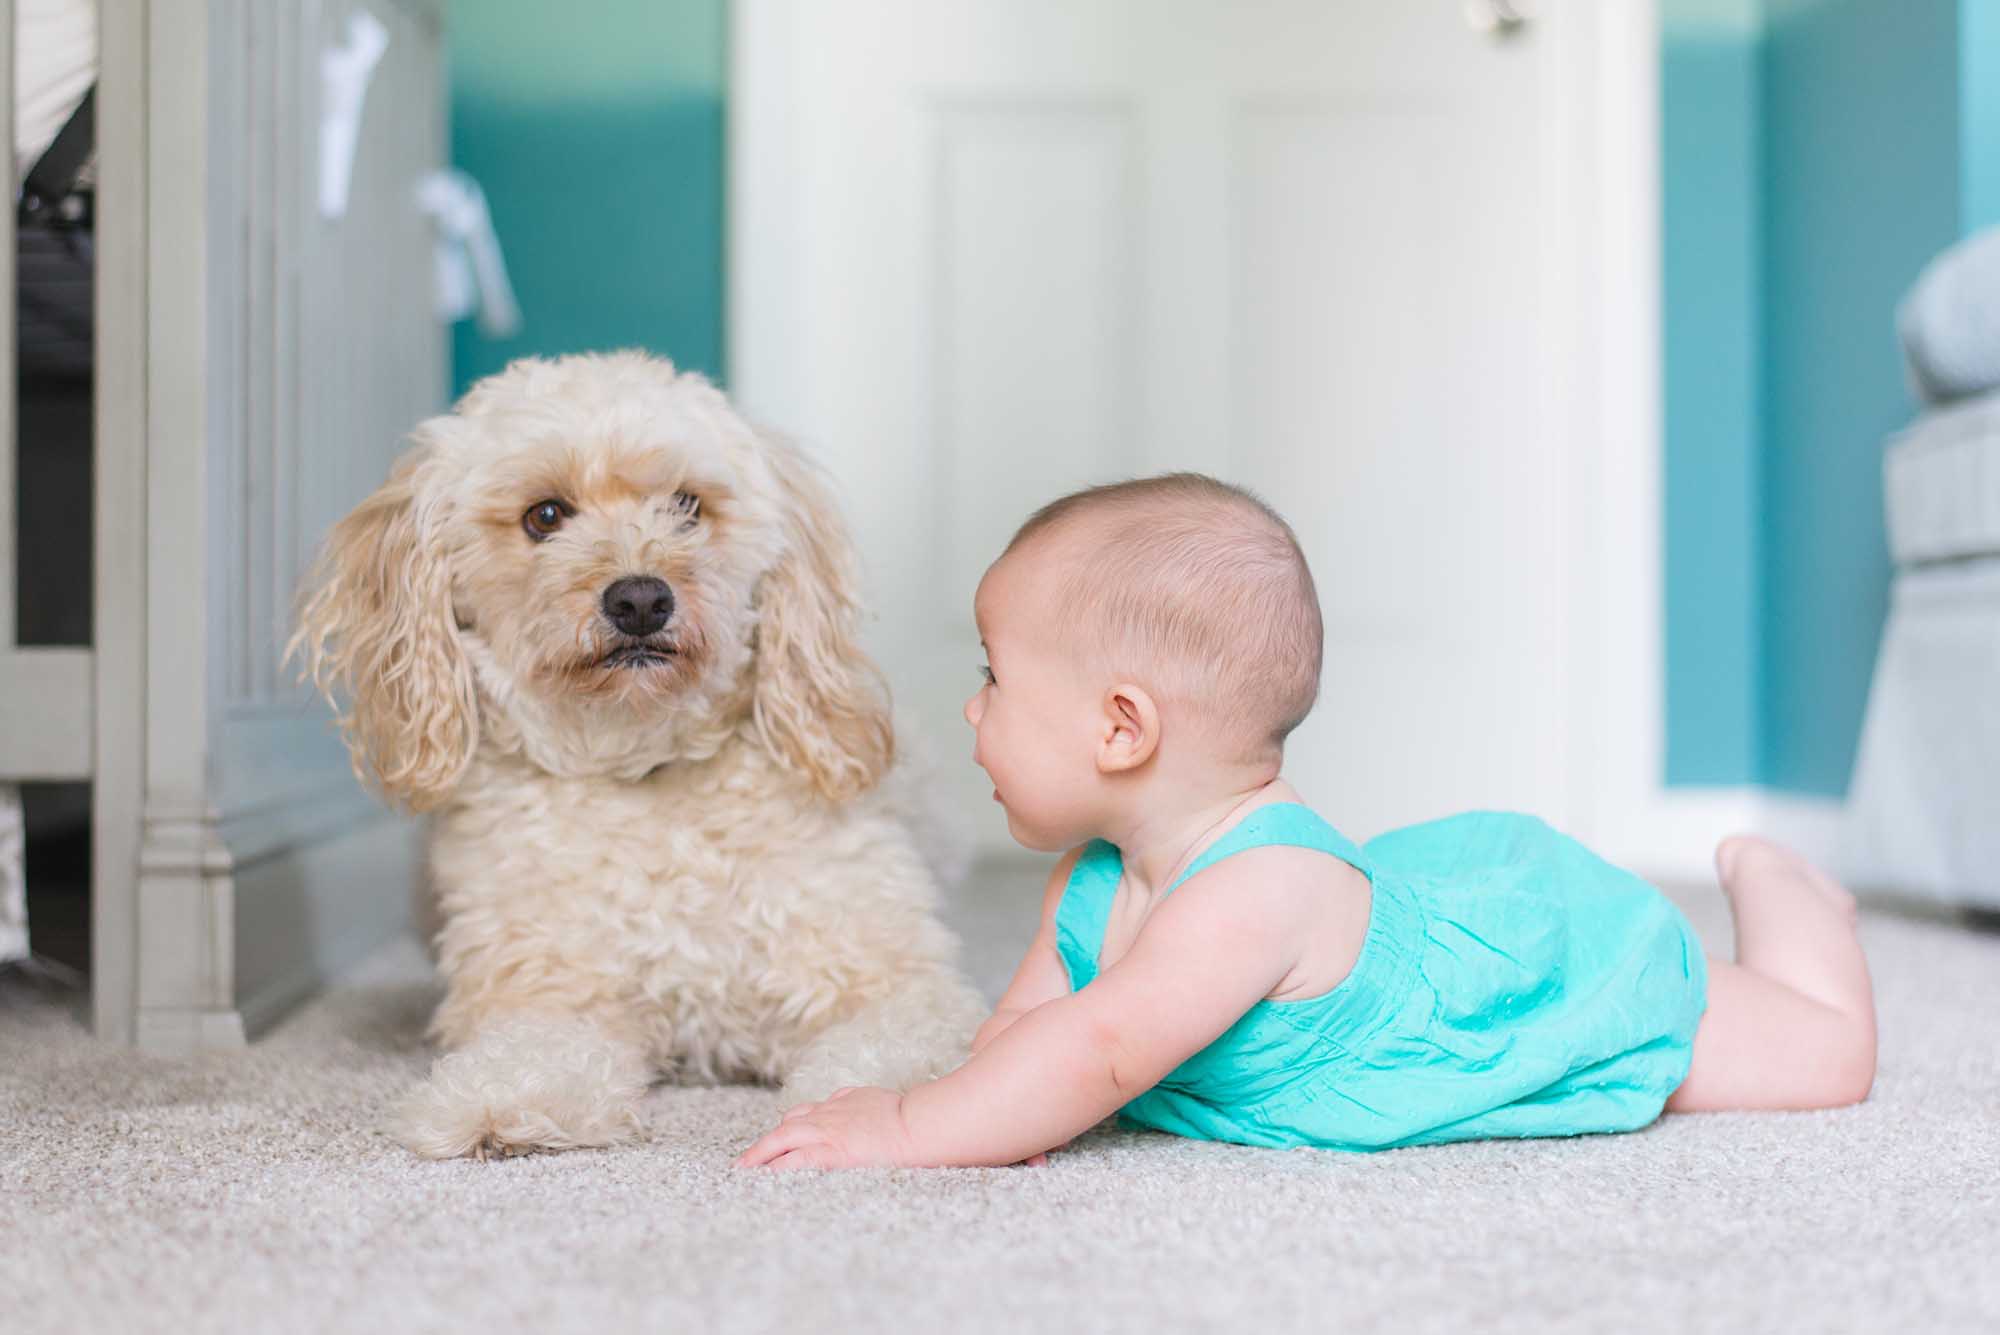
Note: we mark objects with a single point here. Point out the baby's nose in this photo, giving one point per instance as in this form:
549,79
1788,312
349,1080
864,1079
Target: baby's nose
972,709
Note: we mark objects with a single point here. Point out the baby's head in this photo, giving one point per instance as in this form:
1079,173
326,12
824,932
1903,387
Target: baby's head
1168,622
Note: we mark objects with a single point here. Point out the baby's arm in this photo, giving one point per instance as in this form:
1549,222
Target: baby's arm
1223,942
1211,952
1041,976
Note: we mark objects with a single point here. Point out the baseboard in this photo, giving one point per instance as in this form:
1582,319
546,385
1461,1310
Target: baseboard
1671,833
306,913
1810,824
185,1032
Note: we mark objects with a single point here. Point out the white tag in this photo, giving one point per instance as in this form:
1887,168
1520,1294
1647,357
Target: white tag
457,297
344,72
468,254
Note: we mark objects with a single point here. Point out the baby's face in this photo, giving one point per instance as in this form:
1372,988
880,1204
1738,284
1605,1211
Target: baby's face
1034,716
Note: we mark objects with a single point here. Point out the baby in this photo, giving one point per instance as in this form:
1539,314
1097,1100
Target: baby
1217,961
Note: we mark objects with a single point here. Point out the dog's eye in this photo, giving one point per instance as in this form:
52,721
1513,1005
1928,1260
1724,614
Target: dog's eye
688,506
544,518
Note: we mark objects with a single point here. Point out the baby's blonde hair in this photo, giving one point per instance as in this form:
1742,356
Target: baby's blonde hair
1197,586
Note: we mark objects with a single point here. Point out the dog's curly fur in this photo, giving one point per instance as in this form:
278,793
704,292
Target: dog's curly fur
682,859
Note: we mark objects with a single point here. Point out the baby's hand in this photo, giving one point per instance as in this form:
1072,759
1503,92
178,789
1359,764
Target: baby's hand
856,1128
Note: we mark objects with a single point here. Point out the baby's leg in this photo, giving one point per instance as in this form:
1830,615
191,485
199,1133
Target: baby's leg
1791,1024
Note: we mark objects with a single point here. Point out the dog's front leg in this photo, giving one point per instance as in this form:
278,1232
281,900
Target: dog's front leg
523,1081
917,1033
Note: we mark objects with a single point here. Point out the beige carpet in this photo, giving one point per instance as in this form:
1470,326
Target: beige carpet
251,1191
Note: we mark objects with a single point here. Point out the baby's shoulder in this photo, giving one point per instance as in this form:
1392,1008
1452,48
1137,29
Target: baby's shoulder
1303,909
1315,906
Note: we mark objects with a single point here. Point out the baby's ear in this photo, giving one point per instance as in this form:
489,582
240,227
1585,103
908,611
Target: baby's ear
376,626
1131,729
821,706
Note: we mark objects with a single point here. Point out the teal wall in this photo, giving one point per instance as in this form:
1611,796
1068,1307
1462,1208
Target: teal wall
1816,153
596,130
1711,338
1979,111
1861,126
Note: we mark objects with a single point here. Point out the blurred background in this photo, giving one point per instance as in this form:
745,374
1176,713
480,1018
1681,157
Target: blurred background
1575,339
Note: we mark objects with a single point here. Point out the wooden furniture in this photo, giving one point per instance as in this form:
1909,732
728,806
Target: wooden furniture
256,365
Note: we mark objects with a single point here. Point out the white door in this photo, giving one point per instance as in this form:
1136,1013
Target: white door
986,251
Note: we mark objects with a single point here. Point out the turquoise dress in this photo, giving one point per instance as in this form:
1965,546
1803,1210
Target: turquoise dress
1511,983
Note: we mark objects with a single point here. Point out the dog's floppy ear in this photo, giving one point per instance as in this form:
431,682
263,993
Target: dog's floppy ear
376,624
821,707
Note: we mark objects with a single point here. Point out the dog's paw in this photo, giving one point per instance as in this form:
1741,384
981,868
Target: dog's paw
917,1034
525,1087
442,1123
816,1081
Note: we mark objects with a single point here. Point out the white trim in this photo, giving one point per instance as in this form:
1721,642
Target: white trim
1628,815
119,437
1812,825
1670,834
762,320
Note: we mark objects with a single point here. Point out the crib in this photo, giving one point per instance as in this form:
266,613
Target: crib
235,357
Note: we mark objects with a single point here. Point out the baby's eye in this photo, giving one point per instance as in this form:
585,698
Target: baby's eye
986,675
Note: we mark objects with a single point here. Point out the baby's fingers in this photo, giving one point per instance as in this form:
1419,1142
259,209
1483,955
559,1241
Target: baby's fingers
782,1139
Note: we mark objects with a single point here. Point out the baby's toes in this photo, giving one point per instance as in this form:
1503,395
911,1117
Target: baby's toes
1730,852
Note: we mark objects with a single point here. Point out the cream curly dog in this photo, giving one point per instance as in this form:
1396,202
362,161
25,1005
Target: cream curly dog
604,631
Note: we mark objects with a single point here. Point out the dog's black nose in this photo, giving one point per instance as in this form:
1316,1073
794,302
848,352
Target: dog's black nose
639,604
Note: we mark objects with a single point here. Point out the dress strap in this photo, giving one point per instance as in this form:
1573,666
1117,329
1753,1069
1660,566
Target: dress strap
1085,908
1287,824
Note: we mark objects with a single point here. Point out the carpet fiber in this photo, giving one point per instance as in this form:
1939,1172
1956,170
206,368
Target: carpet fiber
253,1190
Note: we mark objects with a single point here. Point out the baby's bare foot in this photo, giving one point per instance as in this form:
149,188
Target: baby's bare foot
1795,927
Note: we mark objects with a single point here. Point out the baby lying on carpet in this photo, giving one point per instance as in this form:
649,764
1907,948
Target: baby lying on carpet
1217,961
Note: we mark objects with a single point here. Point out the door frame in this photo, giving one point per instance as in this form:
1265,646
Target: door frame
1602,291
